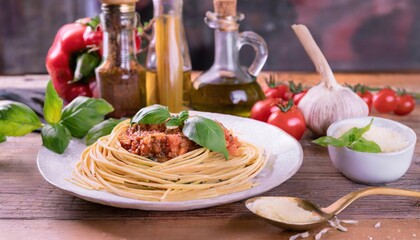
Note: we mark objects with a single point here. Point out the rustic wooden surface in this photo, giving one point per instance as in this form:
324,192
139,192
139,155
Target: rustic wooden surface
30,208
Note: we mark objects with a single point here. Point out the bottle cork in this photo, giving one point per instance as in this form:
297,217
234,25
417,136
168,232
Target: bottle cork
225,8
118,2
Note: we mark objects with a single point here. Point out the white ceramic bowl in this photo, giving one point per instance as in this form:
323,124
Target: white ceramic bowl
372,168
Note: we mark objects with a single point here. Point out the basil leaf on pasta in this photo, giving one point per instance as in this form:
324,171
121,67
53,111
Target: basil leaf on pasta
177,120
154,114
206,133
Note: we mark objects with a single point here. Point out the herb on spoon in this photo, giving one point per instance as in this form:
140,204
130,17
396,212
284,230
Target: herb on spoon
352,139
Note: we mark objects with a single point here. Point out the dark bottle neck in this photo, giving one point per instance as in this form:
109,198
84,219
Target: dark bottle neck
226,50
119,35
119,47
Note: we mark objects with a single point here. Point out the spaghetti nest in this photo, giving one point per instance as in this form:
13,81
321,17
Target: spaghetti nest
197,174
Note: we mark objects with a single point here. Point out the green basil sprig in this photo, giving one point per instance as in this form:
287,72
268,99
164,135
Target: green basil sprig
352,139
206,133
52,105
154,114
76,119
83,113
177,120
203,131
102,129
16,119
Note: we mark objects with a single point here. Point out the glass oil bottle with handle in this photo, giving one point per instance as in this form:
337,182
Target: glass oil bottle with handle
168,74
227,87
120,78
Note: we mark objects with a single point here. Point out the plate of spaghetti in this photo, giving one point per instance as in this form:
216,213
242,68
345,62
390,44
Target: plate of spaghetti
175,164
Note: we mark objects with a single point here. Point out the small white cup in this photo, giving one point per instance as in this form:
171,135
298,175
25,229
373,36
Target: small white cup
372,168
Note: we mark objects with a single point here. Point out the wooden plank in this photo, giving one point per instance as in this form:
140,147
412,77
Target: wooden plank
234,227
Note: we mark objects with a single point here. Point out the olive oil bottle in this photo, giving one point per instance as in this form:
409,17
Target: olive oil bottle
234,99
227,87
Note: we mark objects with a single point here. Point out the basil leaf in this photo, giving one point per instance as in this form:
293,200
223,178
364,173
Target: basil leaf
352,139
2,138
16,119
83,113
55,137
363,145
327,140
355,133
178,120
52,105
101,129
206,133
154,114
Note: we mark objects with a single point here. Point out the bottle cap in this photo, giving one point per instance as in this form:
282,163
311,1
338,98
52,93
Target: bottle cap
225,8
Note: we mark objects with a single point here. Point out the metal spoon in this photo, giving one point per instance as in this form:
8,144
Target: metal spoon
298,214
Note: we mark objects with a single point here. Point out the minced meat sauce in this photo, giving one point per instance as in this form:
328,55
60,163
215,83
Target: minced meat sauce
158,143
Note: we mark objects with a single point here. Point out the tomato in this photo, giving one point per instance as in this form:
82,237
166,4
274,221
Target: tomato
290,120
276,91
271,93
367,97
262,109
385,101
406,104
297,97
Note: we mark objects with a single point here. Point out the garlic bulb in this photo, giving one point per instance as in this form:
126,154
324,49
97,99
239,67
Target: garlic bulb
328,101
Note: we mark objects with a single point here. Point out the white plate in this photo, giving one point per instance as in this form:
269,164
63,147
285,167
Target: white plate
285,159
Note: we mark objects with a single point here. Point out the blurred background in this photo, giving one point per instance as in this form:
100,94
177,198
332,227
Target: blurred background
355,35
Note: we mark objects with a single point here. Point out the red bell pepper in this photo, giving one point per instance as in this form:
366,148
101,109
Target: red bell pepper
69,43
73,57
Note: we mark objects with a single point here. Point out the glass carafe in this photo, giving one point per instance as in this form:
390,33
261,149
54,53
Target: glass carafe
227,87
120,78
168,75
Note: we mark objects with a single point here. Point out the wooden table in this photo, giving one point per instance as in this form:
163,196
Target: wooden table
30,208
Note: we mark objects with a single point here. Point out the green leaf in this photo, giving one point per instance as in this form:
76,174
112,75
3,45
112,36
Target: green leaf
363,145
355,133
55,137
352,139
94,22
85,66
102,129
327,140
206,133
2,138
52,105
16,119
83,113
177,120
154,114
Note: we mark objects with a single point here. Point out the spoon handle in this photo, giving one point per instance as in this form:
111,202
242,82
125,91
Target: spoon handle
343,202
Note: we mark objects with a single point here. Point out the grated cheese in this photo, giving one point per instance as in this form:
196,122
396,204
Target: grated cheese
283,210
388,139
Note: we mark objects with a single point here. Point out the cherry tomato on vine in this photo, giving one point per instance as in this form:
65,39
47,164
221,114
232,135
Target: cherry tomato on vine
385,101
278,91
262,109
297,97
367,96
290,119
406,104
